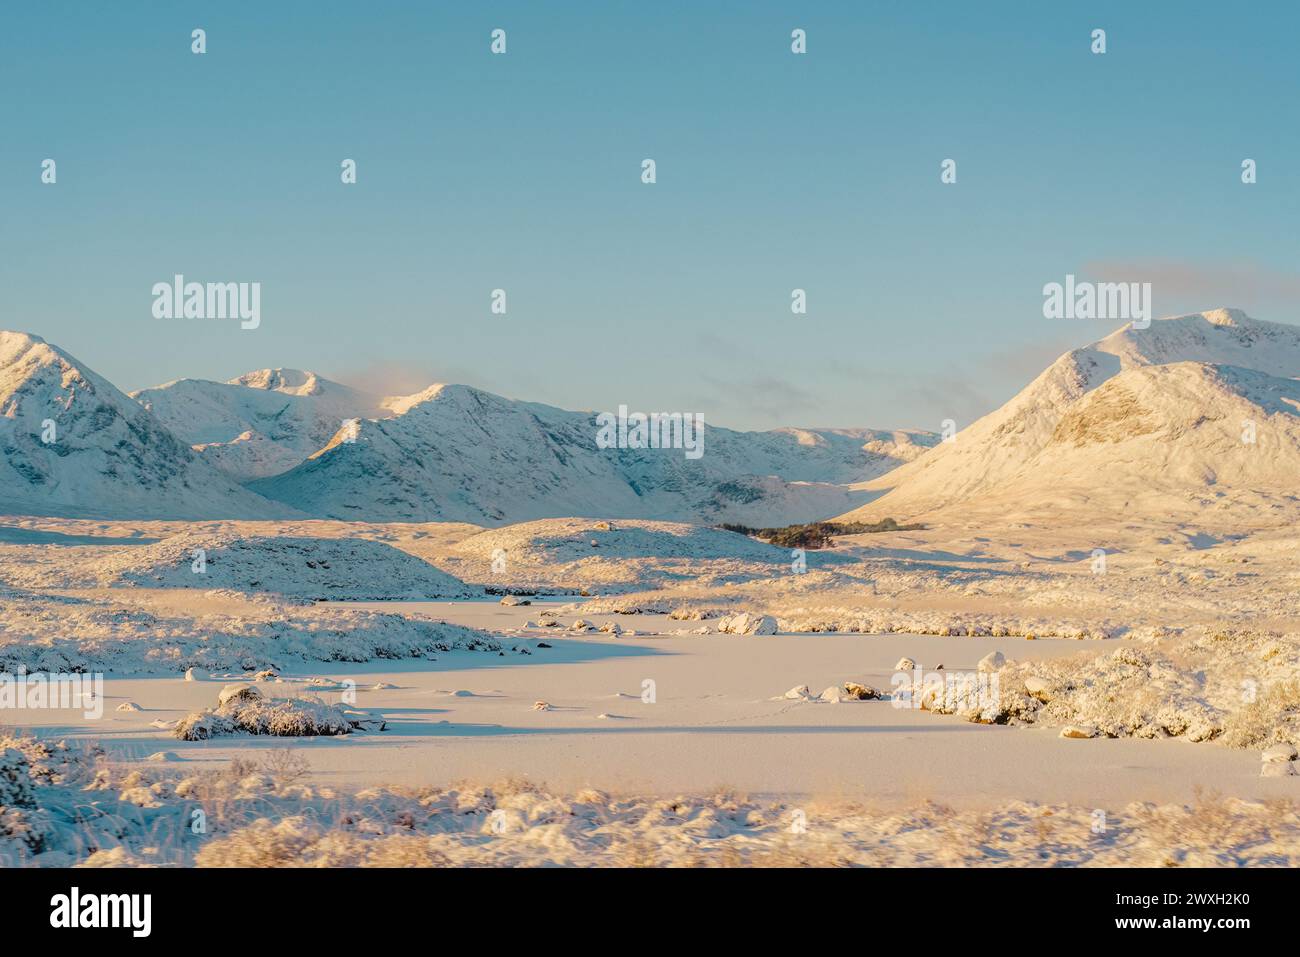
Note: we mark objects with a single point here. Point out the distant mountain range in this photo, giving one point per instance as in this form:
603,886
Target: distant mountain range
1192,416
278,443
75,445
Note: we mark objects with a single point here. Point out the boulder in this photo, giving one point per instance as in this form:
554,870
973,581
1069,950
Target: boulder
237,692
1036,687
747,624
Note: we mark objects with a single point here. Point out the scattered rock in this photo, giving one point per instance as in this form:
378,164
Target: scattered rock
906,664
858,692
831,695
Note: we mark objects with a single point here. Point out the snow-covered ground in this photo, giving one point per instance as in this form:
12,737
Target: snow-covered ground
704,768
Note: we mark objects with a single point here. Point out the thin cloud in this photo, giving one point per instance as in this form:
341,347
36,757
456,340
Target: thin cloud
1180,286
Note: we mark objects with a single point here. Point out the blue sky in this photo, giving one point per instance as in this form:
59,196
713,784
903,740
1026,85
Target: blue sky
522,172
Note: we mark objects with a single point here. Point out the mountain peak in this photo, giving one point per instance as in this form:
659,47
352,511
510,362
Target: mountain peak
8,336
288,381
15,346
1226,317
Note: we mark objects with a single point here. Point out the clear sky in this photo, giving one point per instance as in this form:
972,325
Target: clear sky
522,172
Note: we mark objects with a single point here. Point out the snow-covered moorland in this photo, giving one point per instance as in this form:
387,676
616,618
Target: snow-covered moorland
58,633
64,806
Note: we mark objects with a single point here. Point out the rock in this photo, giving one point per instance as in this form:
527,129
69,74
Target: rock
747,624
267,675
542,644
129,706
162,725
991,662
382,686
1277,769
364,720
511,600
1279,754
612,628
906,664
1036,687
163,756
797,693
1078,731
189,675
859,692
522,650
831,695
237,692
542,706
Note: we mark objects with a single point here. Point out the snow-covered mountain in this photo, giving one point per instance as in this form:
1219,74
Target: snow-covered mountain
456,453
1195,413
259,424
73,444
